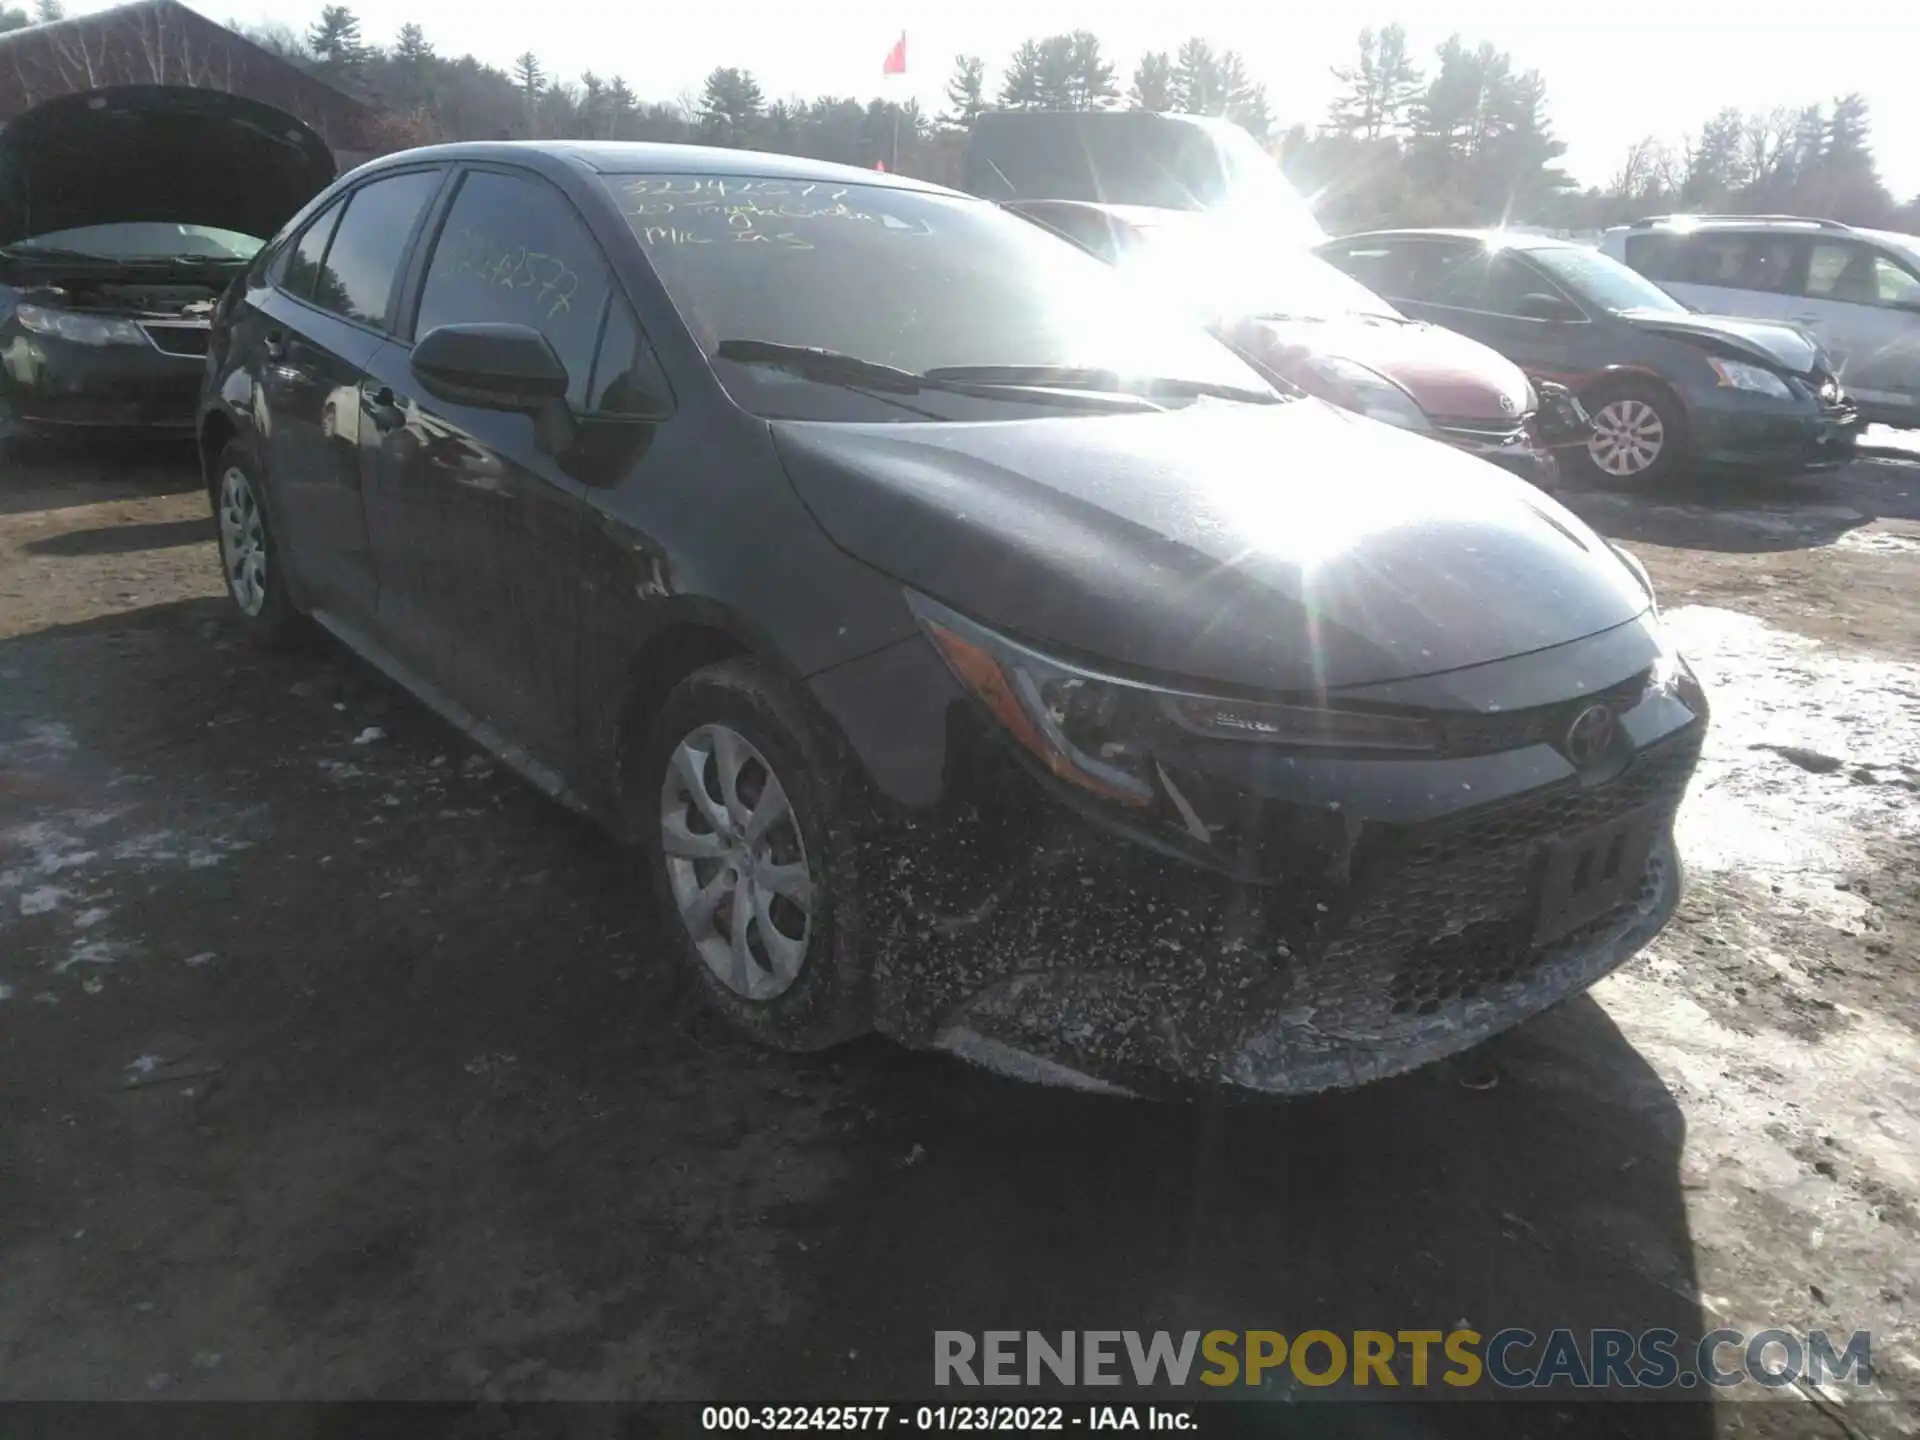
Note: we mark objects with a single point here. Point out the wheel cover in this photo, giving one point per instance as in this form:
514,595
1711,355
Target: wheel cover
243,542
1627,438
736,862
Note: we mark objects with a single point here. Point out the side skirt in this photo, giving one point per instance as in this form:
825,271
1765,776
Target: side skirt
515,757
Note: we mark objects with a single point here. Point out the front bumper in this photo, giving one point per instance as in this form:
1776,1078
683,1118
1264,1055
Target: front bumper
1731,432
1514,448
52,382
1040,944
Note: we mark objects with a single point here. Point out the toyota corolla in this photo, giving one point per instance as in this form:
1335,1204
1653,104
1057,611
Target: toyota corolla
970,651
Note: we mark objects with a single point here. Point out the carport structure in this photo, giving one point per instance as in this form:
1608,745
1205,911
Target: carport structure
162,42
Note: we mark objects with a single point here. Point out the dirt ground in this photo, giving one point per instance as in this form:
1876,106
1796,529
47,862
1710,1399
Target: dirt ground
334,1062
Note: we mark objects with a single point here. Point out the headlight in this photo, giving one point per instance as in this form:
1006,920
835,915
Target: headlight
1739,375
79,329
1372,394
1100,732
1673,676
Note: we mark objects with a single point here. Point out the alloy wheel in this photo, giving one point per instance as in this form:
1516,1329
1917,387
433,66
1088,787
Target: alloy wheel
243,542
736,862
1628,436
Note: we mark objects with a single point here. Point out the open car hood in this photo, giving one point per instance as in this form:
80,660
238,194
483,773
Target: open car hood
156,153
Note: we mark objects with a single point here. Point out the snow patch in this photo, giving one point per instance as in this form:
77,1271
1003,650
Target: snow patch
1754,811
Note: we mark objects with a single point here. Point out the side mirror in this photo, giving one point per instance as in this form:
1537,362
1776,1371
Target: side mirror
1546,307
501,367
504,367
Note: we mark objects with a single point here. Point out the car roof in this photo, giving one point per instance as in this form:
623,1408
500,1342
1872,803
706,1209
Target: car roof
619,157
1506,239
1736,222
1140,217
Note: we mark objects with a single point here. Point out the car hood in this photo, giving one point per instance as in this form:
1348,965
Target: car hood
1448,375
1282,548
1780,346
156,153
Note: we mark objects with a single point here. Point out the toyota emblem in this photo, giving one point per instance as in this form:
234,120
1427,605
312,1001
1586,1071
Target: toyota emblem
1507,405
1590,734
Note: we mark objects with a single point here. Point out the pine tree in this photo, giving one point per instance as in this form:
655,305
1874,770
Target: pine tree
1196,79
45,12
966,92
730,104
334,40
1023,88
1152,87
411,50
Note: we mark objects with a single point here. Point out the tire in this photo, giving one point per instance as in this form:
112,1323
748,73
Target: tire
805,985
249,558
1627,415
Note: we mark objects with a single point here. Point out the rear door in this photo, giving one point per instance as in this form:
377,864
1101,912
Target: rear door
1864,305
321,324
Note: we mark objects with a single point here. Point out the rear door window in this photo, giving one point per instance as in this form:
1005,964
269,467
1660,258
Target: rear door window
1397,269
363,261
298,267
514,251
1736,261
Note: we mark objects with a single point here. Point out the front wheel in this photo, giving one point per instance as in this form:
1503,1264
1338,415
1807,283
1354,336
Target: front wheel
748,806
1639,435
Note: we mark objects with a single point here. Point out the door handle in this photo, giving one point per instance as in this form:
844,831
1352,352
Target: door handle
275,344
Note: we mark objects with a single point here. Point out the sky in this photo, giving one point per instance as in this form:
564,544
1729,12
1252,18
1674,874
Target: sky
1615,71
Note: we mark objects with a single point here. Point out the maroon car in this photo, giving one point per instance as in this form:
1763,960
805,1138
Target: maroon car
1323,331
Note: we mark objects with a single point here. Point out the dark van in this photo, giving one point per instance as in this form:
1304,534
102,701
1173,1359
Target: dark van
1130,157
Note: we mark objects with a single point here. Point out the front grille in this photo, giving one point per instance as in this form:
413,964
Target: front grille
1482,435
1446,913
187,339
1489,734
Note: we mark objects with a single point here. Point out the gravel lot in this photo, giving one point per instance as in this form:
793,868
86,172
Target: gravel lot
336,1062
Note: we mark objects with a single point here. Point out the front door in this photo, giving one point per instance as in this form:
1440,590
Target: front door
478,530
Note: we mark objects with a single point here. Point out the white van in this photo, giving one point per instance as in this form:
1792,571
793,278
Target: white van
1857,291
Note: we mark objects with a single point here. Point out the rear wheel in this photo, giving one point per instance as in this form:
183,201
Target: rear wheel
249,560
748,804
1639,435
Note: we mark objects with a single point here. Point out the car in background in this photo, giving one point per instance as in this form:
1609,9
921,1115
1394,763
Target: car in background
975,650
1297,317
1134,157
124,213
1666,386
1855,290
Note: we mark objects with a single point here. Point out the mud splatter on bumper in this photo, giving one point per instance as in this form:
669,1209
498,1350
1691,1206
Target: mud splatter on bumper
1093,963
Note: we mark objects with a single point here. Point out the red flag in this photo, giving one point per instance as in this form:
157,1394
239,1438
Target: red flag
896,63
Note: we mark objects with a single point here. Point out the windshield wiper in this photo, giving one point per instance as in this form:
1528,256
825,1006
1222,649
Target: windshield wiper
833,367
1104,382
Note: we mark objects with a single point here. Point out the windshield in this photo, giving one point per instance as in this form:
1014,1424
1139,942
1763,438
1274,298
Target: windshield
1602,281
893,277
146,240
1235,270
